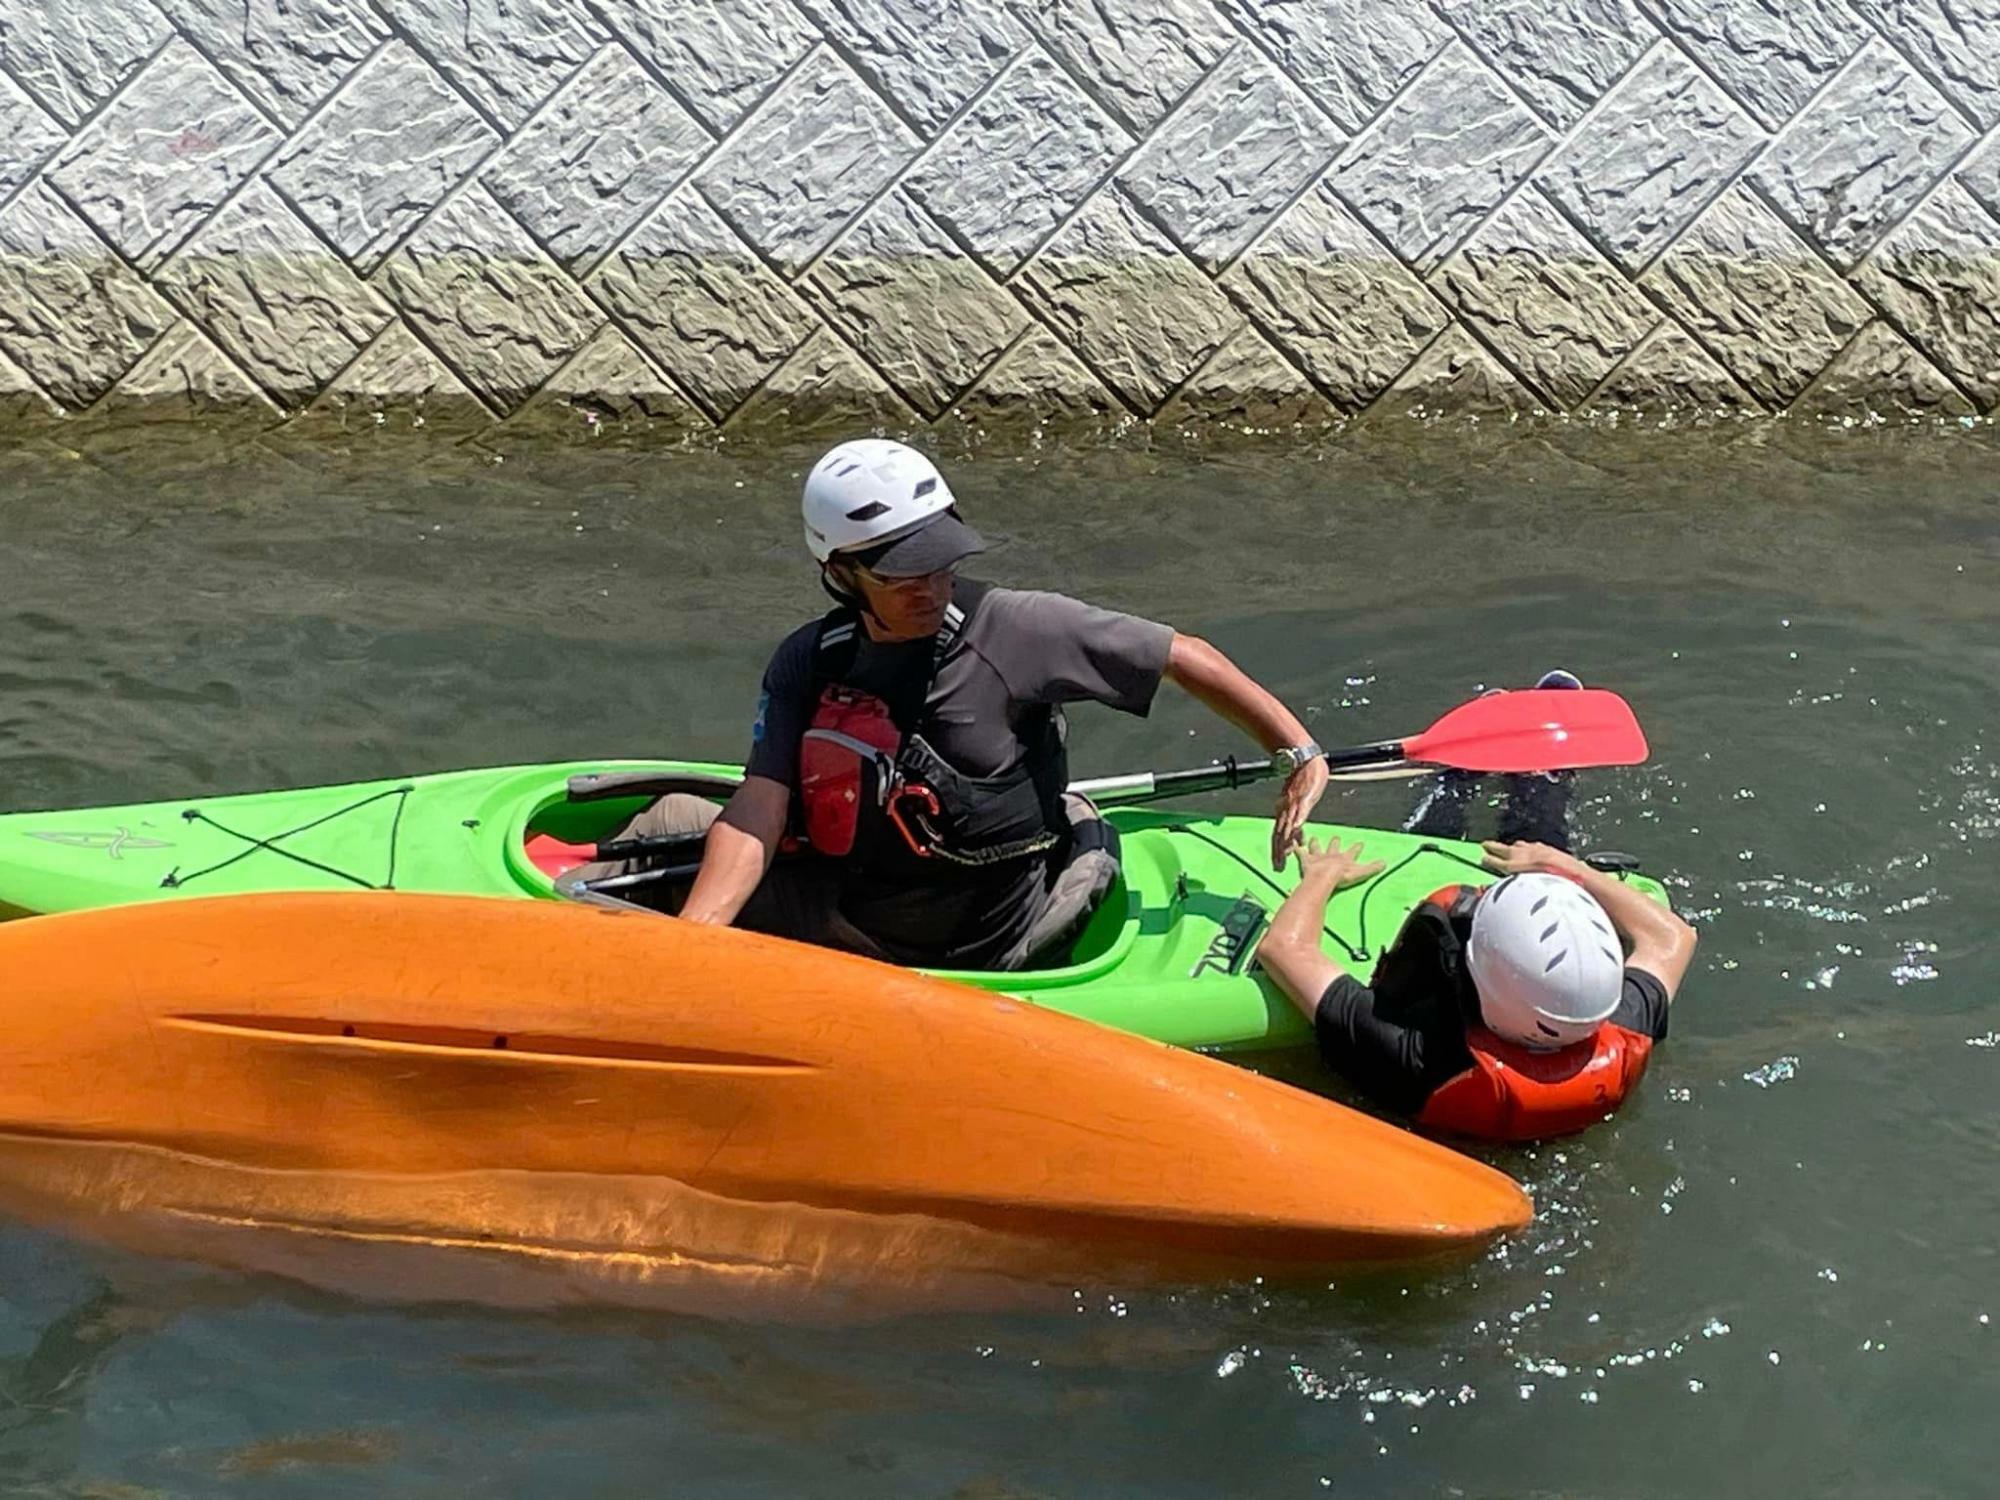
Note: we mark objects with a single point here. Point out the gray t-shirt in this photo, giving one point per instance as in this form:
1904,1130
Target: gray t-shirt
1021,650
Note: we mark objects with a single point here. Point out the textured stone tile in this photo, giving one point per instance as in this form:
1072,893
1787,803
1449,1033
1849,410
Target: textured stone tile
1326,291
185,375
73,54
397,374
273,296
1979,173
1018,162
1351,56
822,388
383,155
71,314
157,162
603,154
1744,284
1958,41
1137,56
918,308
807,162
1880,371
20,398
1039,380
1643,166
1770,54
288,55
31,137
478,291
1867,151
1563,54
1938,277
722,57
1671,371
507,55
926,57
702,304
1247,386
1545,300
1440,158
608,384
1118,292
1230,157
1455,375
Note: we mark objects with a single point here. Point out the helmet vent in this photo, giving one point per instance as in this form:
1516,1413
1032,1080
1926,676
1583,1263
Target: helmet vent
869,511
924,487
1547,1030
844,470
1549,967
1538,906
1548,932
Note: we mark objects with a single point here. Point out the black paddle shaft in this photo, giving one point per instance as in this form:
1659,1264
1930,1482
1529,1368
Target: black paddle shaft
1231,772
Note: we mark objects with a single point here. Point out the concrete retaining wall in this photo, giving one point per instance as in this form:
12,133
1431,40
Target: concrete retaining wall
703,213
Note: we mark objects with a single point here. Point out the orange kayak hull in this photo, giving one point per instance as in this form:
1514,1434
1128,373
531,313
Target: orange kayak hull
451,1096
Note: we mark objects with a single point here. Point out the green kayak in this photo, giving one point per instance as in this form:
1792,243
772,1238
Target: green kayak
1167,953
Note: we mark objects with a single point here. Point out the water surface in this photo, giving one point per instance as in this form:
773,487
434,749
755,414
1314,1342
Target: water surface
1775,1270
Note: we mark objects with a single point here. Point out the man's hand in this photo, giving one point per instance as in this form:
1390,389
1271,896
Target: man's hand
1329,862
1218,683
1301,795
1528,859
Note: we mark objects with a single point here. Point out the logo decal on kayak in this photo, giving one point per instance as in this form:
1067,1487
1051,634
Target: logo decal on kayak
114,844
1230,949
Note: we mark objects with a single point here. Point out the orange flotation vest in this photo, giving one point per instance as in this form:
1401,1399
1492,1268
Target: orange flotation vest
1511,1093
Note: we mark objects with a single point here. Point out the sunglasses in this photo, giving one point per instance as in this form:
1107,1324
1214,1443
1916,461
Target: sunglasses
922,583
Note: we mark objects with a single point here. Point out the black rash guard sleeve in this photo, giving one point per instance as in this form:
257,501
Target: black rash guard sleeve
1642,1007
1396,1064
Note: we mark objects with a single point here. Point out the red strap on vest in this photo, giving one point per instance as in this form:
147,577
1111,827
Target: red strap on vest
846,761
1512,1094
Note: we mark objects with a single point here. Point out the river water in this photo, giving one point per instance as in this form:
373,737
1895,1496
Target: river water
1775,1272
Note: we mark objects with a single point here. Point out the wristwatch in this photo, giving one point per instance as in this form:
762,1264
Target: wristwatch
1288,760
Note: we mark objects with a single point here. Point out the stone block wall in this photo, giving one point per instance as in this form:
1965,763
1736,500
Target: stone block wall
702,214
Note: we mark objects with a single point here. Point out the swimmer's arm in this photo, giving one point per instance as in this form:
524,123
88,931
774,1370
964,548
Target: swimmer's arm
1661,943
1290,952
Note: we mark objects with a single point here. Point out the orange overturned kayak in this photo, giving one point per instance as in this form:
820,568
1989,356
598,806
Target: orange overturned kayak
453,1096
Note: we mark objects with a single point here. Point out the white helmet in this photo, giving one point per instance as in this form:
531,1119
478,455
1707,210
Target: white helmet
868,491
1545,960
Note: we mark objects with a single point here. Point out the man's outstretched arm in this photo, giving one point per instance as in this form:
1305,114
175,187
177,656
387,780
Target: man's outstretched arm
1229,692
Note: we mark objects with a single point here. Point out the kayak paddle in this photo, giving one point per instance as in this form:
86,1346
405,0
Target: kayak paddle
1533,729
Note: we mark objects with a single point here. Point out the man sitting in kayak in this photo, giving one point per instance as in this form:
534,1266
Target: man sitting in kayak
1514,1011
914,738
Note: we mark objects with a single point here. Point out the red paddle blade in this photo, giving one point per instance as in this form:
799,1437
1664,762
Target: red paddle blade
1537,729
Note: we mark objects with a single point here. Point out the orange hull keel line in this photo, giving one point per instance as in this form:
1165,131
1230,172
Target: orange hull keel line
443,1096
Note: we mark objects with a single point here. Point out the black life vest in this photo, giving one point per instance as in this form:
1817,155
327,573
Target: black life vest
1510,1092
872,788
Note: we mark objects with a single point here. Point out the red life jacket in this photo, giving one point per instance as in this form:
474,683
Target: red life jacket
873,790
1512,1093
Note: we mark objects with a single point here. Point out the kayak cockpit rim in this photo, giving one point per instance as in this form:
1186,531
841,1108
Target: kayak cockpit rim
1106,941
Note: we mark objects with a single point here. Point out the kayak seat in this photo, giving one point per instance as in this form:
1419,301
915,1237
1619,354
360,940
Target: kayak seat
1091,872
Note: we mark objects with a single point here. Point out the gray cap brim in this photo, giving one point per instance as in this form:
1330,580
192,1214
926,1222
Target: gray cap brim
940,543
